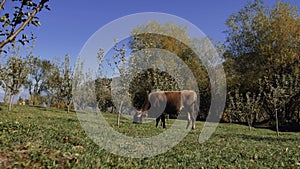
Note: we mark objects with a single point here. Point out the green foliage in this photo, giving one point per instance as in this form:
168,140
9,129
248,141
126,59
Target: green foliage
40,72
149,80
262,44
278,92
40,138
103,93
14,74
55,80
151,54
66,86
59,82
37,82
244,108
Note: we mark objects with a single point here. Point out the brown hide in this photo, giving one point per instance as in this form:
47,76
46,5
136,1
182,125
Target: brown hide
161,103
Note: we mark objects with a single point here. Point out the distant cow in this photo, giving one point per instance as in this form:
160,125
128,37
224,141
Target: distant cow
162,103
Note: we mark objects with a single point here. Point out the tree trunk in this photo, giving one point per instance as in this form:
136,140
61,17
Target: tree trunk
119,114
250,120
57,104
10,102
277,125
68,107
5,96
97,108
250,125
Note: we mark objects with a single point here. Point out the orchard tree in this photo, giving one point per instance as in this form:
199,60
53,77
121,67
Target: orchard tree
67,78
37,82
83,87
14,74
103,93
55,81
59,83
14,21
244,108
278,91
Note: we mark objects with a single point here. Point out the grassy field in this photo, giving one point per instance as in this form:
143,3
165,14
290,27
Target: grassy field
42,138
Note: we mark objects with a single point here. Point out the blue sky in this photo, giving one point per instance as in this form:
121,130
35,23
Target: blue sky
69,24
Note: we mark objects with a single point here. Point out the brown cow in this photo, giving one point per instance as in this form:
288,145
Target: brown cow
162,103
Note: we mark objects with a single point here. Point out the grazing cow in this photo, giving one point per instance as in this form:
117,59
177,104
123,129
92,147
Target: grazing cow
164,103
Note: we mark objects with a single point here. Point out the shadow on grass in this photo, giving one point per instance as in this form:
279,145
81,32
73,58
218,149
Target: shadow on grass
262,138
53,109
291,127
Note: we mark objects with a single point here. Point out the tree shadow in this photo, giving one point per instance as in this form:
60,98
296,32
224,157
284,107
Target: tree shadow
289,127
292,127
262,138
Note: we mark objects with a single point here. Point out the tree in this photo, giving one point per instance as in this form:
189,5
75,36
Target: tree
14,74
83,87
60,82
67,73
156,59
244,108
278,91
103,93
263,41
103,86
55,81
38,78
174,44
13,21
148,80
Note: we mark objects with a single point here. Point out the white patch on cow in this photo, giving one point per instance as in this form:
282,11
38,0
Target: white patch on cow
181,107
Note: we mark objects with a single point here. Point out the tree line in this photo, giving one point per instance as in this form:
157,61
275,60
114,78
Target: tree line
48,82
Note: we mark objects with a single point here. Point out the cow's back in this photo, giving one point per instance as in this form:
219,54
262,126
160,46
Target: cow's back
189,97
173,102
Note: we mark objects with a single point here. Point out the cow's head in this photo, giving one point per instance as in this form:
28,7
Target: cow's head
138,117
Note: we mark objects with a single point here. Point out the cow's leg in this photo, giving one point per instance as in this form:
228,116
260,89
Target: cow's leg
193,117
157,121
188,120
193,120
163,120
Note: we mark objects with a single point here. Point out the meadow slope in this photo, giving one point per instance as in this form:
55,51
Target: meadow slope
33,137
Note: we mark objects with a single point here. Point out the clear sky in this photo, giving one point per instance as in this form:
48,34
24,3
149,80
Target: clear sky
70,23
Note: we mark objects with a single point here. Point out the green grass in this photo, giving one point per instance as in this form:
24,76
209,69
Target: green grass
43,138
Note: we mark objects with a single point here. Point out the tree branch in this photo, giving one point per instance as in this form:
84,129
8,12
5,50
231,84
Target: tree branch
2,4
21,28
